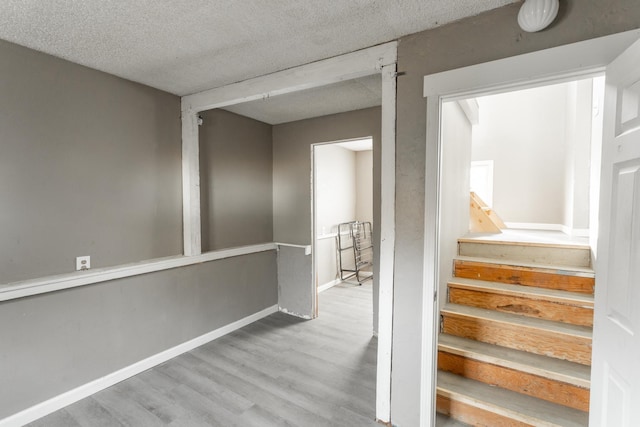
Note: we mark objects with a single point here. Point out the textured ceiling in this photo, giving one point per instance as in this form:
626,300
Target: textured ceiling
185,46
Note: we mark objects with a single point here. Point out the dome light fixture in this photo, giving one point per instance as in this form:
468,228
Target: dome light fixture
536,15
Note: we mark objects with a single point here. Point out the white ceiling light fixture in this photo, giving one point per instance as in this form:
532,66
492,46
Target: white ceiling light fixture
536,15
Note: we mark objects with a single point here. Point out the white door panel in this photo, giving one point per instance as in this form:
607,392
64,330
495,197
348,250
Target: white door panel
616,360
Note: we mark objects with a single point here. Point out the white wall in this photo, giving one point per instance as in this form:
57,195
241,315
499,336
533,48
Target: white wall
578,159
364,186
335,171
540,141
454,200
596,158
523,133
344,192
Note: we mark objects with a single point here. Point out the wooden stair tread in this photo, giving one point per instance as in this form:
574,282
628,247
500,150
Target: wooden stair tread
522,408
552,269
544,366
555,255
479,239
565,297
514,319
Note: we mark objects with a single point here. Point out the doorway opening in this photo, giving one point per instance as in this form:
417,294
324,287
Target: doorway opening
376,61
519,193
532,158
613,54
342,214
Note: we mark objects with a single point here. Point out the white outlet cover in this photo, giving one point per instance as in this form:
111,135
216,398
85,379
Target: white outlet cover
83,262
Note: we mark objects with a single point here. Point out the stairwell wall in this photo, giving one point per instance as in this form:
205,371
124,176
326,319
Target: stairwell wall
454,202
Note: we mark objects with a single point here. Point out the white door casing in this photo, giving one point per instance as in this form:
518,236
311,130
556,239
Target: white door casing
616,356
560,64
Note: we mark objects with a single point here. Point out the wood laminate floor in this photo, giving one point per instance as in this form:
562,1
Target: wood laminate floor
279,371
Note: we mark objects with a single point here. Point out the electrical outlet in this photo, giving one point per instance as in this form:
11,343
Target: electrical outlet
83,262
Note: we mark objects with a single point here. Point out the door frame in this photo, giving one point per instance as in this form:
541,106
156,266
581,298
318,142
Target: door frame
555,65
314,210
381,59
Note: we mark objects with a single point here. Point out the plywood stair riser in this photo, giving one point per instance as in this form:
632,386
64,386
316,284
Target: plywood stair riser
479,404
573,313
516,334
510,333
560,255
472,415
559,279
511,379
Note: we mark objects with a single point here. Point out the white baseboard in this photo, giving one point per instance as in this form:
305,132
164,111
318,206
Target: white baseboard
291,313
534,226
575,232
328,285
45,408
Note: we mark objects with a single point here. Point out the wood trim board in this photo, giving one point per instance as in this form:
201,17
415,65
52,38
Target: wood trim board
82,278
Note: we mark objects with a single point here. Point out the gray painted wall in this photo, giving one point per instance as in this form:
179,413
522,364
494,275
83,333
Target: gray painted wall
294,282
489,36
89,165
292,173
235,181
54,342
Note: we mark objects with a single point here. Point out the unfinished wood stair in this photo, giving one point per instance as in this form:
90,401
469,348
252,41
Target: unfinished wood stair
482,218
515,342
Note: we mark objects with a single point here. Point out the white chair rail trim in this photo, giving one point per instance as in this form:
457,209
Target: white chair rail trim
43,285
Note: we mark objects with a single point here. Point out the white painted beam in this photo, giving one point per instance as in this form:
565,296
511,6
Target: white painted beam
333,70
387,243
191,185
378,59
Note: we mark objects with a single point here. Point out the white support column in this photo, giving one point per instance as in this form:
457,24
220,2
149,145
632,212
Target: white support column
387,243
191,184
366,62
430,310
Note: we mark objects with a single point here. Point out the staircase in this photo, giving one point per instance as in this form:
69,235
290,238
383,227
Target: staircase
515,342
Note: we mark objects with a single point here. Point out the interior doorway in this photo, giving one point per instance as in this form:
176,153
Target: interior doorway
532,158
514,208
572,62
342,214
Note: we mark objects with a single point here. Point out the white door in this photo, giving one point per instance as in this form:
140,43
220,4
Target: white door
615,399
